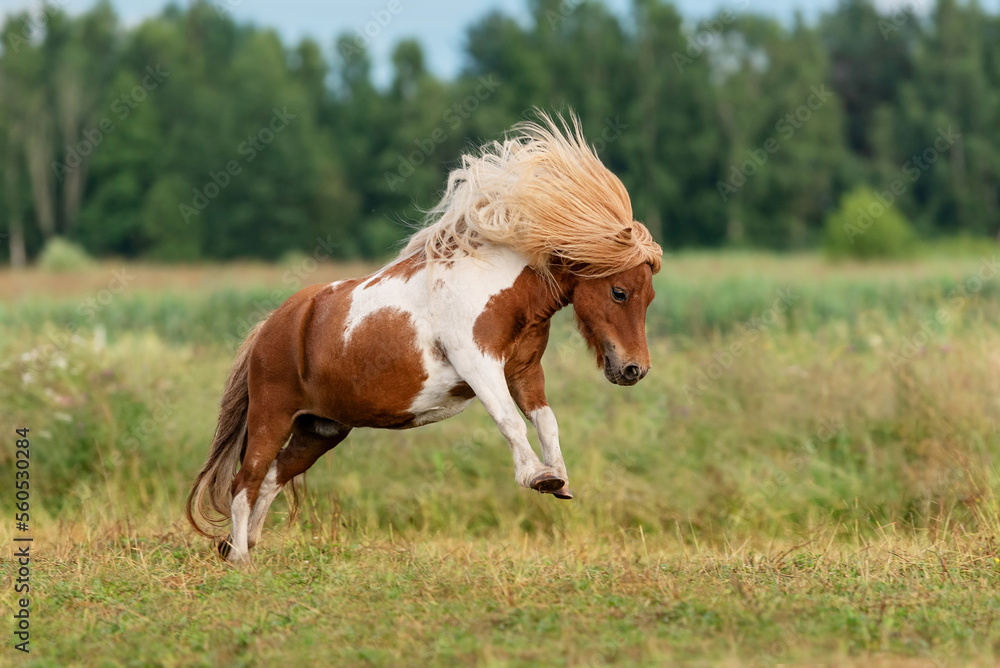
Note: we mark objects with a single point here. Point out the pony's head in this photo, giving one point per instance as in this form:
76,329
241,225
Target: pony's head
611,315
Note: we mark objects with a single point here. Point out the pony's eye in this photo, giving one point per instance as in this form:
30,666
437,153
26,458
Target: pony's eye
619,295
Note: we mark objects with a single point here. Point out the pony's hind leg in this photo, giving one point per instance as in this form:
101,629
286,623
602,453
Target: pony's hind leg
311,438
268,492
267,432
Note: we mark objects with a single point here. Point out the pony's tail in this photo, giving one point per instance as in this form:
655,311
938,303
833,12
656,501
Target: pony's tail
211,496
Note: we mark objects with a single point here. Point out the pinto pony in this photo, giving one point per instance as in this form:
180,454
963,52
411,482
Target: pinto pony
526,226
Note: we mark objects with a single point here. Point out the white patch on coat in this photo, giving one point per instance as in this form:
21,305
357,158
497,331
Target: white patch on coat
269,490
443,303
240,551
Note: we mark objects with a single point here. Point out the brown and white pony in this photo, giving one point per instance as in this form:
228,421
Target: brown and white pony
525,227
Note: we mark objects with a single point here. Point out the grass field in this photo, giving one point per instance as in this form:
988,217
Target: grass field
808,474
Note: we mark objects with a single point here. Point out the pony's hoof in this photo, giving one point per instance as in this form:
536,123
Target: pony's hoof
547,483
225,547
563,493
227,552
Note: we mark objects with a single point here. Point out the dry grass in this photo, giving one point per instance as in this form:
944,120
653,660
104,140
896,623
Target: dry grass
27,283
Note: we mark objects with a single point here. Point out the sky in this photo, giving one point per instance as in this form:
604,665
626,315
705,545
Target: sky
438,24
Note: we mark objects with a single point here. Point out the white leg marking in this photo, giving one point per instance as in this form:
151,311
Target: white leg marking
240,553
489,384
268,493
548,436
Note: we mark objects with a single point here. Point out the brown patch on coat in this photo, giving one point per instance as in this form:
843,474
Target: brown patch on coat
527,304
367,380
514,326
404,269
524,373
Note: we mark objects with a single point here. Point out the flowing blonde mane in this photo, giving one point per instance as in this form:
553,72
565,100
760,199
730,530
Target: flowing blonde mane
543,192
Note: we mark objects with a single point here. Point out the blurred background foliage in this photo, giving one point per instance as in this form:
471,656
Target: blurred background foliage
191,137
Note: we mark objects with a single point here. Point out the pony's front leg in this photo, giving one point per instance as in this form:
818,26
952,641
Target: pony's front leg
528,390
548,436
487,381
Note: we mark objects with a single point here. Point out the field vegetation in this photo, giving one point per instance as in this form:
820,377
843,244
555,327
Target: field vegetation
807,474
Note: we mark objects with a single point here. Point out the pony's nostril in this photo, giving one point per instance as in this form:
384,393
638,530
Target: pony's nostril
631,372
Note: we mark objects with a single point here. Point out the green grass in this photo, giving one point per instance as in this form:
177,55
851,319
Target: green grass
819,487
702,295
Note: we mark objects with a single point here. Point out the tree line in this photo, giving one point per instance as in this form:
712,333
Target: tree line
194,136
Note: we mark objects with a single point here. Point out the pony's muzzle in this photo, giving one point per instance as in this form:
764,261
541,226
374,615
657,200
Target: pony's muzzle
628,373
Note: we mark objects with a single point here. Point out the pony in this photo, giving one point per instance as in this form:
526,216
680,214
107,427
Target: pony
527,225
